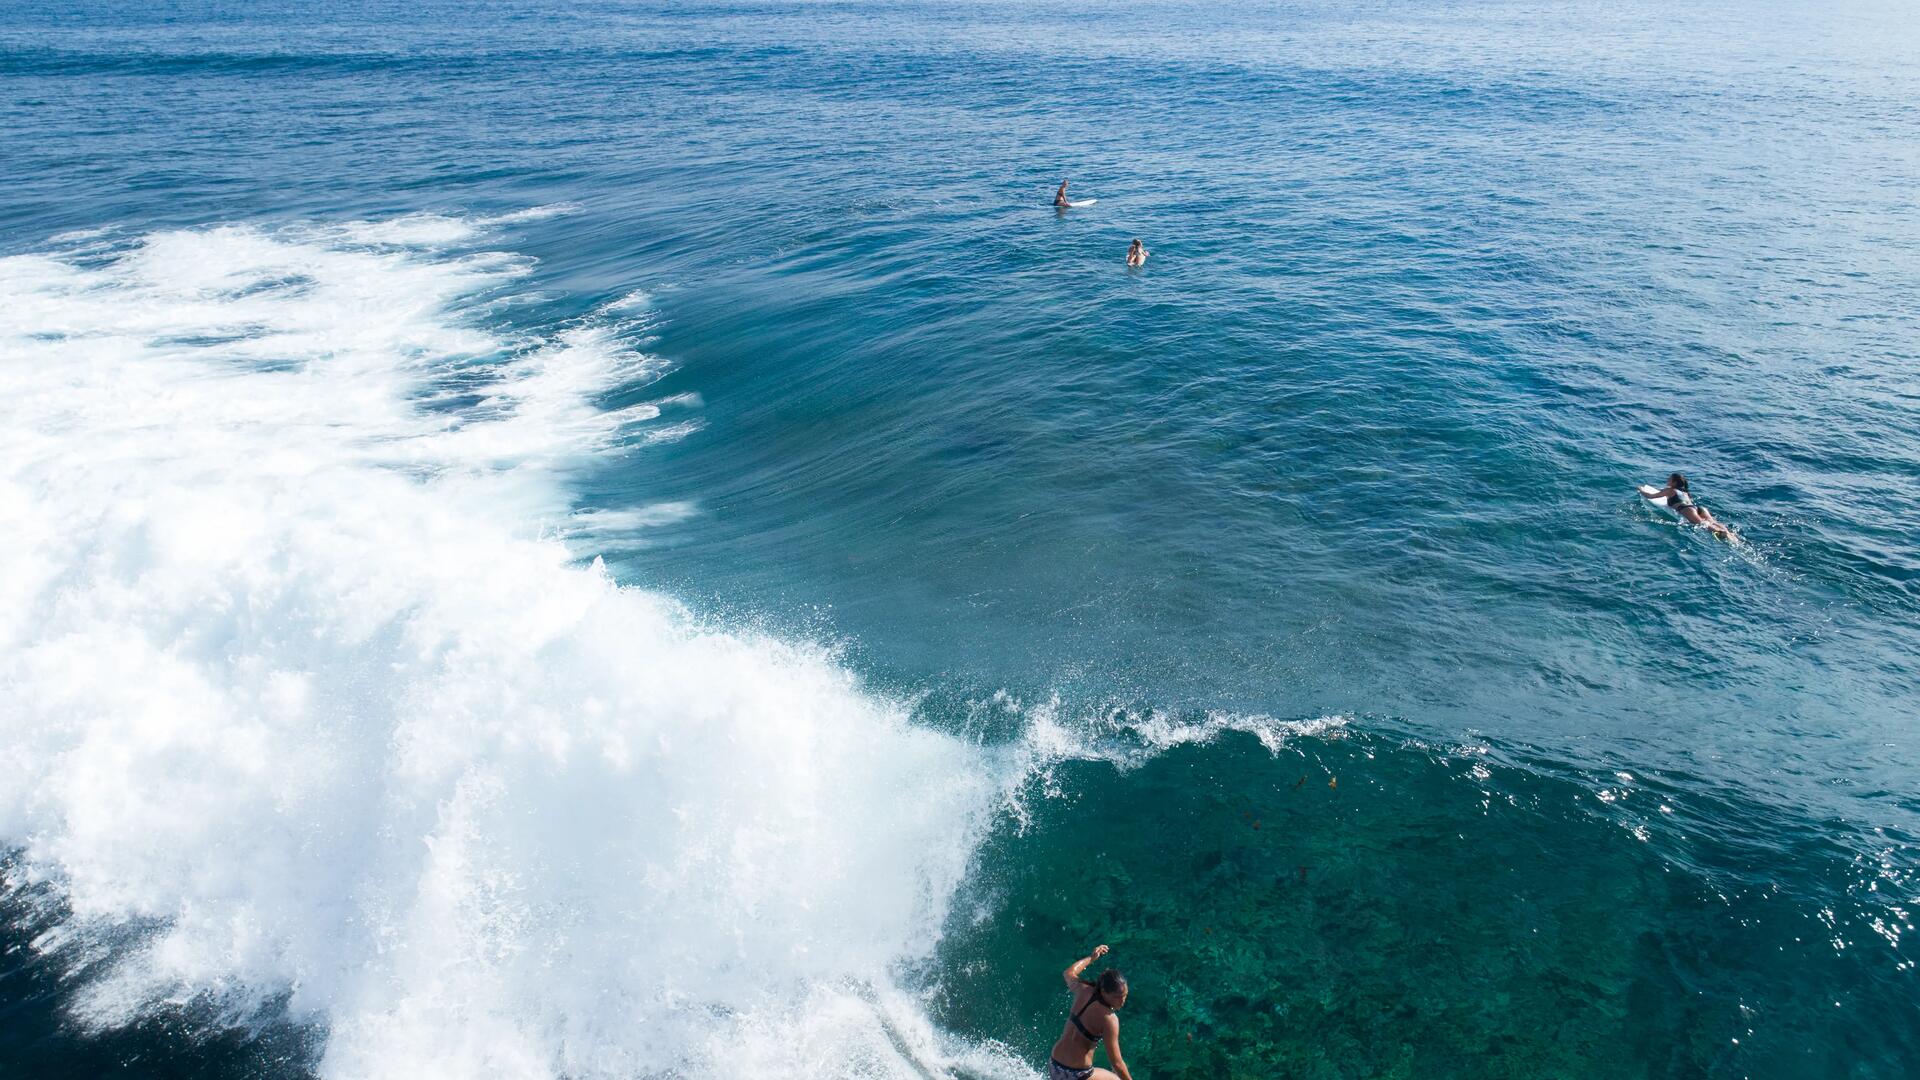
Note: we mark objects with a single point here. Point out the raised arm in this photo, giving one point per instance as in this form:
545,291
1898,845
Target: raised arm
1072,974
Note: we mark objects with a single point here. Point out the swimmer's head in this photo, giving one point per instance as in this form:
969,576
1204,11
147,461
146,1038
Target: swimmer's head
1112,984
1677,482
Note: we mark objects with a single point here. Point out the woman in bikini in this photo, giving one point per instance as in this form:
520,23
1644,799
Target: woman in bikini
1092,1022
1678,497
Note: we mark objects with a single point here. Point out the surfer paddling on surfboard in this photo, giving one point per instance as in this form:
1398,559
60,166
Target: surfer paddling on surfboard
1092,1022
1676,497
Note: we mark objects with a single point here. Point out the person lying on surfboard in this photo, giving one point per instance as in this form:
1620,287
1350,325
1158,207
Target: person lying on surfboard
1676,496
1060,197
1091,1022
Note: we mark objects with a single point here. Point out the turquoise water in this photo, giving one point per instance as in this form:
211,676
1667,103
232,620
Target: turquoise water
1280,613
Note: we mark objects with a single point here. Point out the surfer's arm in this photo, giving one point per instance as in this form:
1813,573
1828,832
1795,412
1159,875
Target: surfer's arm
1113,1048
1072,974
1647,492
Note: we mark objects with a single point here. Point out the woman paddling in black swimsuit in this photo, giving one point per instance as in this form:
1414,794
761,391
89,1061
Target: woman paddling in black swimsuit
1091,1022
1678,497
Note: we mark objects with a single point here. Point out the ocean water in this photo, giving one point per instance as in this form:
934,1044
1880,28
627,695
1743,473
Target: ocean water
629,540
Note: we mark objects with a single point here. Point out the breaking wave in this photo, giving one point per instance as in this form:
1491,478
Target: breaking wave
301,688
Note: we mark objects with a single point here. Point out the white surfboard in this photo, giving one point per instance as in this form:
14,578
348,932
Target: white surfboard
1077,203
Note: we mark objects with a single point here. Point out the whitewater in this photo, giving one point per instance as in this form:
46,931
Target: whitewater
314,715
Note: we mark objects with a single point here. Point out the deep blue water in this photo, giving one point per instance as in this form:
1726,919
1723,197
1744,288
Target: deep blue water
1433,287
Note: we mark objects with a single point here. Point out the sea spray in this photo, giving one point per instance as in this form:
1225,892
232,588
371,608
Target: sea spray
304,713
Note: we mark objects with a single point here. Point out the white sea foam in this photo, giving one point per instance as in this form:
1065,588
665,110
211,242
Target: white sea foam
293,677
637,300
667,433
302,677
532,213
413,230
1127,738
1124,739
621,522
418,230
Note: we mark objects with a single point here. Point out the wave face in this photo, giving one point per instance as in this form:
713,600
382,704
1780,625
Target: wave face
308,716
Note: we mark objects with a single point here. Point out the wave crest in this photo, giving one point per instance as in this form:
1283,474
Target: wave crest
374,752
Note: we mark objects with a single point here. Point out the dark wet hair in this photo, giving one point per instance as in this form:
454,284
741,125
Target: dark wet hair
1111,985
1677,482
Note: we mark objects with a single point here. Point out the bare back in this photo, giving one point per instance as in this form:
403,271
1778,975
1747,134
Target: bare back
1075,1046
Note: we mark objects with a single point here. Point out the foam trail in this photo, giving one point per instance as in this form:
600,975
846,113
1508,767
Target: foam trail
292,676
1128,738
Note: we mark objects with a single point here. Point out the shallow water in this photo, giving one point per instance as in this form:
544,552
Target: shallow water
1281,613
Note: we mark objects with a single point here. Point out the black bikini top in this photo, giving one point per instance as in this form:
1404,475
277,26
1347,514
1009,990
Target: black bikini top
1092,1039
